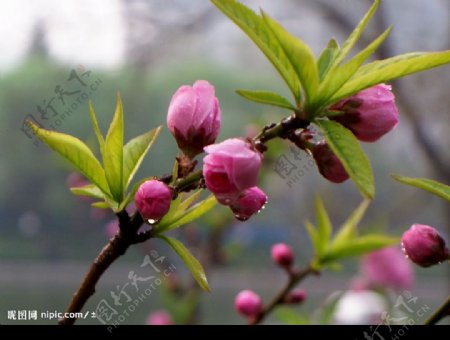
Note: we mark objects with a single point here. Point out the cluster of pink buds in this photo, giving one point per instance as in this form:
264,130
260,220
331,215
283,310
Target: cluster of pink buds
249,304
231,171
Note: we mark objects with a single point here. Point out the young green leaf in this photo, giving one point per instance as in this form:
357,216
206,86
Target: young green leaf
261,35
188,215
347,148
90,190
289,316
191,262
113,156
100,205
339,75
266,97
327,58
314,237
134,152
359,246
429,185
324,228
101,141
348,229
174,172
381,71
299,55
356,34
76,152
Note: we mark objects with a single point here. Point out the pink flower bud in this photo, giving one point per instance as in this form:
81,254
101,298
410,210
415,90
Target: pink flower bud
159,318
296,296
248,303
387,268
282,255
250,202
153,200
194,117
424,245
230,168
329,165
369,114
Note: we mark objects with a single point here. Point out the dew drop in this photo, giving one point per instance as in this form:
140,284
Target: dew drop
241,217
152,221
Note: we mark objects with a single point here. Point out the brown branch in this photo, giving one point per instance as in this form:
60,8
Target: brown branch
114,249
442,312
295,277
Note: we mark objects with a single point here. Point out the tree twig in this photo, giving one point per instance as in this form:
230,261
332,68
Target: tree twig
442,312
295,277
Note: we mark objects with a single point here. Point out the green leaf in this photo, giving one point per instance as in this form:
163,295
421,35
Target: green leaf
134,152
347,148
101,205
327,58
382,71
348,229
188,215
266,97
174,172
90,190
101,141
299,55
76,152
324,227
261,35
113,156
339,75
313,236
290,317
429,185
359,246
191,262
356,34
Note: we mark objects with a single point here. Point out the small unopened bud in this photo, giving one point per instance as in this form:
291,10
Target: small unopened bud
296,296
282,255
248,303
153,200
329,165
369,114
424,245
250,202
194,117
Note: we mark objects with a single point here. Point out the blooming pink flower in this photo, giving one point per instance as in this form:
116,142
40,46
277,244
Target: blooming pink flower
159,318
388,268
329,165
250,202
194,117
230,168
248,303
282,254
369,114
153,199
424,245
